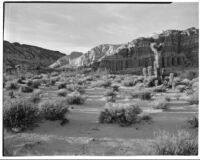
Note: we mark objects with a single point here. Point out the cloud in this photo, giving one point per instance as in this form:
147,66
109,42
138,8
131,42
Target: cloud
68,26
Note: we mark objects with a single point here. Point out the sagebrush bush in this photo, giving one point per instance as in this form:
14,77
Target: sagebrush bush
26,89
20,115
36,96
55,110
36,83
194,98
110,93
12,85
122,114
103,83
11,94
143,95
29,83
193,121
161,104
62,92
180,143
115,88
181,88
75,98
128,83
62,85
160,89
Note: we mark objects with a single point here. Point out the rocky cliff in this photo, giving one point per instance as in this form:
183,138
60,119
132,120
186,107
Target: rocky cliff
27,56
176,48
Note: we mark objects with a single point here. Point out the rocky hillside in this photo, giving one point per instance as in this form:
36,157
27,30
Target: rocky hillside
177,48
66,61
30,57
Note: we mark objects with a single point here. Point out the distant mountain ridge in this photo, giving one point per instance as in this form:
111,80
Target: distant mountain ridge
28,56
179,48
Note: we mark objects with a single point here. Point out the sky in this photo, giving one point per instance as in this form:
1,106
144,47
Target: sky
71,27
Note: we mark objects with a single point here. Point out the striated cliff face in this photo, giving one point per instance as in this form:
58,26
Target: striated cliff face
27,56
171,48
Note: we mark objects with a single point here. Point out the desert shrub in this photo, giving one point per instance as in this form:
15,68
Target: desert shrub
52,82
20,115
62,85
11,94
36,83
167,98
128,83
78,88
37,77
12,85
122,114
29,83
26,89
193,121
36,96
62,92
161,104
150,82
146,117
194,98
144,95
181,88
180,143
103,83
21,80
159,89
54,74
75,98
110,93
55,110
115,88
111,99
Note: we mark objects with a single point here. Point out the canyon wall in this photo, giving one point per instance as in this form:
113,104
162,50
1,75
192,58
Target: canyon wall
176,49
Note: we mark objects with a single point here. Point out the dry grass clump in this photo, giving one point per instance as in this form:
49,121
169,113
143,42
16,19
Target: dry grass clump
180,143
103,83
20,115
36,96
159,89
122,114
194,98
62,85
26,89
36,83
12,85
62,92
193,121
161,104
143,95
128,83
75,98
181,88
55,110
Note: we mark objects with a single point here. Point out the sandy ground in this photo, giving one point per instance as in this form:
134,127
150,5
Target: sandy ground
83,135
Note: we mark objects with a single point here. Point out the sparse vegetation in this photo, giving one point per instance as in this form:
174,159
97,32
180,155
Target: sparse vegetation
62,92
143,95
55,110
12,85
62,85
194,98
20,115
193,121
36,96
180,143
123,114
26,89
75,98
